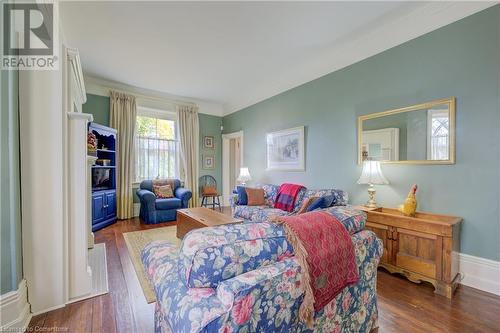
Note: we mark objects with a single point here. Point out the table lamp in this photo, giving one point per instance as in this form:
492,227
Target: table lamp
372,175
244,176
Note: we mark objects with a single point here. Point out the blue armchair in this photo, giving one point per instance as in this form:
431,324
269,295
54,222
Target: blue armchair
155,210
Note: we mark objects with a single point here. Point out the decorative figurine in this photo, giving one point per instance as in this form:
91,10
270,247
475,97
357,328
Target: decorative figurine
91,144
410,205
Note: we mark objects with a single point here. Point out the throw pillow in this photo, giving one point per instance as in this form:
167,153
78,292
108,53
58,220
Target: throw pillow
329,200
255,196
317,204
163,191
242,195
209,190
307,202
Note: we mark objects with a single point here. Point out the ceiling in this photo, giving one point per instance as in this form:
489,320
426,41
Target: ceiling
239,53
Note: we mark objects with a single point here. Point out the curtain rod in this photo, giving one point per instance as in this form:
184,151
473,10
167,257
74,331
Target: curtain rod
161,99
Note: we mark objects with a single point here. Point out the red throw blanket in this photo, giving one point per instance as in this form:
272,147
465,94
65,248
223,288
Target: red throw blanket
287,194
325,252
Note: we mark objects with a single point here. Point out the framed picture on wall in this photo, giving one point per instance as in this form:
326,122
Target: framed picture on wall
208,142
208,162
285,150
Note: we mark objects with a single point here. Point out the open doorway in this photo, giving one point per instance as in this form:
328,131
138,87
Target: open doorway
232,160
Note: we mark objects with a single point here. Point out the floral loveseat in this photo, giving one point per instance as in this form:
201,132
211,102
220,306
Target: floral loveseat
263,213
244,278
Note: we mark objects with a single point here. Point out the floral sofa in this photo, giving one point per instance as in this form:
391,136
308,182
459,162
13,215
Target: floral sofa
263,213
244,278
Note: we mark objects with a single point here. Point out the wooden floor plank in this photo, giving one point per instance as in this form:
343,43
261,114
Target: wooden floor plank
142,310
403,306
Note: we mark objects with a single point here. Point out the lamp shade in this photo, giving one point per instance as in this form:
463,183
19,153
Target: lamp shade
244,175
372,174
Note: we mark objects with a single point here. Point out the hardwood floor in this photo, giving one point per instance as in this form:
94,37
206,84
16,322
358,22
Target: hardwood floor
403,306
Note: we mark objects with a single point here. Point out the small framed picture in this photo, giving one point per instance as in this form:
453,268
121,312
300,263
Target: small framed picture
208,162
208,142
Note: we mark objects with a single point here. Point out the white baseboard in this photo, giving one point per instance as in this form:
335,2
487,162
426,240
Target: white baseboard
137,208
15,309
480,273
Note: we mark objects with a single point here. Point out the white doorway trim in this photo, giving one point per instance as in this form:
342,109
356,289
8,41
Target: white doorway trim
226,190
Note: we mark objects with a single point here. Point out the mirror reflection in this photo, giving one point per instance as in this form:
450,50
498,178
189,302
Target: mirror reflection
421,134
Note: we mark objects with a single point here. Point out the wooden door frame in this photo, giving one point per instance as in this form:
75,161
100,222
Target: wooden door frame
226,190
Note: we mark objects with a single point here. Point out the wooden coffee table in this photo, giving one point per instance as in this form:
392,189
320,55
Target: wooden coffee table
200,217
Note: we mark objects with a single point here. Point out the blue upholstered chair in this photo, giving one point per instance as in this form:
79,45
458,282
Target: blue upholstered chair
154,210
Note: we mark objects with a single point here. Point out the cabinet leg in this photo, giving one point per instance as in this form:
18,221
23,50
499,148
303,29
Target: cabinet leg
446,289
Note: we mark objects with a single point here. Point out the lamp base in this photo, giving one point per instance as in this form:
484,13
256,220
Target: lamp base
371,195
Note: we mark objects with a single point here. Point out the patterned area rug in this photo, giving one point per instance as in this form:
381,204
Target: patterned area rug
136,241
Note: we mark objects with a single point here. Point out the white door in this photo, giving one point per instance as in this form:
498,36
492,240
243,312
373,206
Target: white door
232,160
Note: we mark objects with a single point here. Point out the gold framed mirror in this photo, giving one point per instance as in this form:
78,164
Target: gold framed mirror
417,134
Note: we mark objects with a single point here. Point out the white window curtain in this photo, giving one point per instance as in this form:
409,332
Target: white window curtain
189,133
123,115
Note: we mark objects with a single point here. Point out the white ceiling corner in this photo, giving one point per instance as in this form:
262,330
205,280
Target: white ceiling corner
235,54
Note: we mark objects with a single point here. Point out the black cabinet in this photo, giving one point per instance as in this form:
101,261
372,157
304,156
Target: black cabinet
103,209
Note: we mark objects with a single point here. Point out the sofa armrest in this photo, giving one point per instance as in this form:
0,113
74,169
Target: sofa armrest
184,194
146,197
266,284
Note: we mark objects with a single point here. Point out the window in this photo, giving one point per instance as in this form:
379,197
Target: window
157,152
438,128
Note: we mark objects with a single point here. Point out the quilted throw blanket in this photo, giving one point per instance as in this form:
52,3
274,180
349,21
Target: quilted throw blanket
287,194
325,252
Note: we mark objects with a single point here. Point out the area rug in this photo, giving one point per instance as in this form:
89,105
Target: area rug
136,241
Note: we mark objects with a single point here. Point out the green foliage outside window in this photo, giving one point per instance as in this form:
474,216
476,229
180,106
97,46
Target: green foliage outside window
155,128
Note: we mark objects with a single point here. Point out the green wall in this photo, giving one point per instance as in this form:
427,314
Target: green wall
98,106
10,199
210,126
462,60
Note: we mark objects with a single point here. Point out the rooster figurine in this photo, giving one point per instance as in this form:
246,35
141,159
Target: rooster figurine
410,205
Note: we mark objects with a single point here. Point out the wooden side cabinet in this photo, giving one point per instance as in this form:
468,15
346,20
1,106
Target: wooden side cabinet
422,248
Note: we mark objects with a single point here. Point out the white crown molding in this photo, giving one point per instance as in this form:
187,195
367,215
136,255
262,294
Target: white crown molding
76,68
15,309
480,273
150,98
424,18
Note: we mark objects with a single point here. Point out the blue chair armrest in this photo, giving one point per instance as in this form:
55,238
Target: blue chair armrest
184,194
146,197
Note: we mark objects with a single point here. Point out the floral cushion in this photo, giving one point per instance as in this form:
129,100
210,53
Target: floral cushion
270,193
257,213
299,200
353,220
185,309
341,197
211,255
